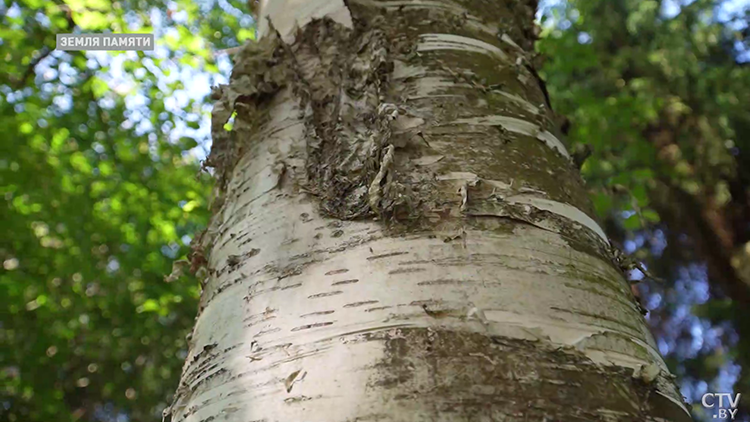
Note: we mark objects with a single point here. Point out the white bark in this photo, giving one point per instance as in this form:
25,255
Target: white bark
498,305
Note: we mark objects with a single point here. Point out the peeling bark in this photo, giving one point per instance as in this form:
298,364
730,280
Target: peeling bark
402,235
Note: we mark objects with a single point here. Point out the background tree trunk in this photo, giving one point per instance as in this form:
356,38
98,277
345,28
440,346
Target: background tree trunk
400,235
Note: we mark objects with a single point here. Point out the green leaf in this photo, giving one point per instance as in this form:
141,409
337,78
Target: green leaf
149,306
26,128
651,215
633,222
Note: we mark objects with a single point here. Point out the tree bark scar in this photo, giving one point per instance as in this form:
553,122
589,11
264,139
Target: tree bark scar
345,95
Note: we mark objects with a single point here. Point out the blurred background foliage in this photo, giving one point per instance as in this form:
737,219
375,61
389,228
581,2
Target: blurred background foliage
102,189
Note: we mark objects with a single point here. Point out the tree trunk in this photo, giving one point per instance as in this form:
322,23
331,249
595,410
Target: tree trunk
400,235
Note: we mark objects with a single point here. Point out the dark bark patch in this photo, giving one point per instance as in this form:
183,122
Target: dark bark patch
471,375
397,368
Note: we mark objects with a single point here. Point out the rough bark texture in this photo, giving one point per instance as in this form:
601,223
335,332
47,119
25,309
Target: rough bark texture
401,236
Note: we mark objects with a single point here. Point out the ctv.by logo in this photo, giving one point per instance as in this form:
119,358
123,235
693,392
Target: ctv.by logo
726,408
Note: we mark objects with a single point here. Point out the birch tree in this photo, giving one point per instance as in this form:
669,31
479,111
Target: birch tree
399,233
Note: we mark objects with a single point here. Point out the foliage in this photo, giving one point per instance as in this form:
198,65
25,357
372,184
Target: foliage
622,70
100,190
